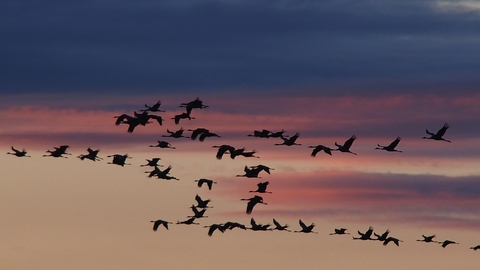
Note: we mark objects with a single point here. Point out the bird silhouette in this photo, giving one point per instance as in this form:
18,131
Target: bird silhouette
195,104
391,239
92,155
202,134
280,227
346,146
447,242
163,144
222,149
254,171
289,141
232,225
202,181
188,221
277,134
365,236
138,119
198,213
152,162
58,152
178,117
427,239
18,153
162,174
202,203
391,146
305,228
154,108
214,227
119,159
319,148
262,187
175,134
439,135
249,154
382,237
339,231
260,134
159,222
257,226
475,247
252,202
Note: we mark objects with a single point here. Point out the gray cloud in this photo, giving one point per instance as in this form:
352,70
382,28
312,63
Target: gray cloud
150,46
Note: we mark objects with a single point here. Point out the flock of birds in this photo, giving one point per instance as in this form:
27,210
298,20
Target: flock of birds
145,116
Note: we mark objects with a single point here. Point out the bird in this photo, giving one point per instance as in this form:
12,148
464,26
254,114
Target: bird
188,221
197,213
391,239
258,227
207,134
475,247
195,104
222,149
119,159
214,227
289,141
305,228
252,202
138,119
154,108
178,117
159,222
346,146
391,146
175,134
277,134
163,144
92,155
339,231
254,171
319,148
382,237
439,135
249,154
18,153
202,181
260,134
196,132
232,225
58,152
366,235
279,226
152,162
262,187
162,174
202,203
446,243
427,239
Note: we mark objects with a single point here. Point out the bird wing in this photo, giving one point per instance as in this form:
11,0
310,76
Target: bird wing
348,143
250,206
442,131
304,227
394,143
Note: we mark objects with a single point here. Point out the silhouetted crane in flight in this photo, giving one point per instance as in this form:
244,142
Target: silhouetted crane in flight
195,104
188,221
175,134
277,134
391,239
391,146
58,152
92,155
138,119
339,231
289,141
163,144
162,174
319,148
427,239
249,154
232,225
152,162
447,242
178,117
159,222
439,135
280,227
258,227
253,171
119,159
154,108
222,149
18,153
382,237
365,236
202,181
197,213
202,203
252,202
305,228
260,134
475,247
214,227
346,146
196,132
262,187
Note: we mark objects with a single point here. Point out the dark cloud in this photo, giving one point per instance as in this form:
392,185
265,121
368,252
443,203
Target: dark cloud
152,46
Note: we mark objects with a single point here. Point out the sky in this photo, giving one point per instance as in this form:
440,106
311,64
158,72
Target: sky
325,69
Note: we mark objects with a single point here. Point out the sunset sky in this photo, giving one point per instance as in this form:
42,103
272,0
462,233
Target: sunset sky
325,69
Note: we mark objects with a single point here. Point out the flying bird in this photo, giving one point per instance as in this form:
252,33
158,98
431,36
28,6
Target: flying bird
195,104
254,171
319,148
339,231
260,134
446,243
163,144
152,162
252,202
175,134
232,225
439,135
391,146
162,174
58,152
382,237
279,226
205,181
178,117
427,239
222,149
305,228
391,239
346,146
366,235
202,203
214,227
197,213
258,227
92,155
119,159
18,153
262,187
475,247
289,141
188,221
157,223
154,108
